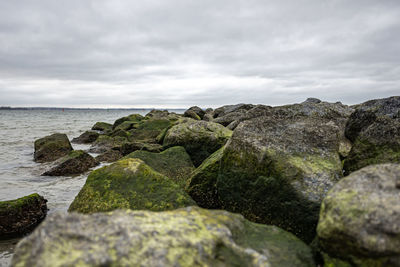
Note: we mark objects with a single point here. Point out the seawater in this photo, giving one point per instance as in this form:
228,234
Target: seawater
21,176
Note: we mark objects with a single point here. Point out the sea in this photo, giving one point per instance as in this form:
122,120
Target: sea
21,176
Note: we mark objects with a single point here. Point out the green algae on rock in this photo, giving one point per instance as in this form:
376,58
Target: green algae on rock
129,184
199,138
375,130
360,217
86,138
102,126
130,118
174,163
185,237
76,162
22,215
109,156
105,143
51,147
195,113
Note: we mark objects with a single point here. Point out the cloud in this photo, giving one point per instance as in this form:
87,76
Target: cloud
179,53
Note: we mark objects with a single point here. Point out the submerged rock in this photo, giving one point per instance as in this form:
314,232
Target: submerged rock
183,237
174,163
129,184
86,138
360,217
102,126
22,215
199,138
76,162
51,147
374,129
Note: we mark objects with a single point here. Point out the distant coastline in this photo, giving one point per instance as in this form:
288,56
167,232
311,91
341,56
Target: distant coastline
57,108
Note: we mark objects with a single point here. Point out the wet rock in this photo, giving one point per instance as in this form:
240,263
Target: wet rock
183,237
129,184
174,163
52,147
130,147
374,129
76,162
360,217
199,138
105,143
195,113
109,156
22,215
131,118
86,138
148,130
102,126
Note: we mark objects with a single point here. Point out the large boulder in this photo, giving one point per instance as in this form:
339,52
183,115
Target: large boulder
130,118
51,147
148,130
224,110
195,113
183,237
360,217
275,169
102,126
22,215
109,156
86,138
129,184
76,162
199,138
105,143
374,129
174,163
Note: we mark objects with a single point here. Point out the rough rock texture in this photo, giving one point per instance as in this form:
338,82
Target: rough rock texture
22,215
360,217
374,128
174,163
148,130
76,162
130,147
86,138
195,113
130,184
51,147
109,156
183,237
224,110
162,114
203,182
102,126
199,138
105,143
131,118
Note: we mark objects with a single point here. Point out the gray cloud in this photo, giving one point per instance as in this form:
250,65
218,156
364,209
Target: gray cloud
179,53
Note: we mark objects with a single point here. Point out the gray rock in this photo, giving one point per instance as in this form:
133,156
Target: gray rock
360,217
51,147
76,162
86,138
183,237
198,111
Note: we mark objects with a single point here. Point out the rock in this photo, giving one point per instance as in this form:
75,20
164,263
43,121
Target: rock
105,143
360,217
199,138
102,126
20,216
174,163
120,133
208,117
129,184
203,182
222,111
51,147
86,138
126,125
131,118
374,129
183,237
109,156
199,113
162,115
148,130
130,147
191,114
76,162
275,169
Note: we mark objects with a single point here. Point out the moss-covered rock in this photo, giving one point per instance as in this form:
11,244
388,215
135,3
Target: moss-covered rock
126,125
199,138
162,115
102,126
76,162
375,130
148,130
360,217
51,147
183,237
174,163
105,143
131,118
129,147
86,138
191,114
22,215
109,156
129,184
203,182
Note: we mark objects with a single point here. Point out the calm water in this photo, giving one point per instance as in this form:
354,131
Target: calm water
20,175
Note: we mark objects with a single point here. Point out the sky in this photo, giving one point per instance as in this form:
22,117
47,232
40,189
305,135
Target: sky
179,53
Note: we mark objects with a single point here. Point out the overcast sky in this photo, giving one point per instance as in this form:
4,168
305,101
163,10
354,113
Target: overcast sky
178,53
